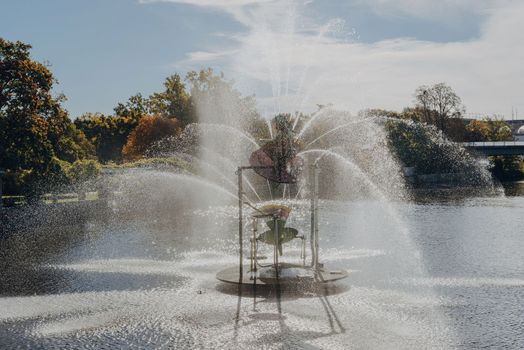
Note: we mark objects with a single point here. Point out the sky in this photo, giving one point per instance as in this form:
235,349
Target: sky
292,54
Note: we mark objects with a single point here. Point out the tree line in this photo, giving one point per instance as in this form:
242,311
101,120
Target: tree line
438,109
41,146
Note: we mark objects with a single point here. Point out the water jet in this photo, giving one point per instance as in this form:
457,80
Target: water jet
278,162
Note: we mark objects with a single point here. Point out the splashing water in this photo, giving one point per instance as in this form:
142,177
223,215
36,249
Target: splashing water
146,276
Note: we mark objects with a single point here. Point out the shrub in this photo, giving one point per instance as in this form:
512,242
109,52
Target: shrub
83,170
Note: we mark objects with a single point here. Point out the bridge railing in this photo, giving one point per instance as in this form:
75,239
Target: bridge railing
494,144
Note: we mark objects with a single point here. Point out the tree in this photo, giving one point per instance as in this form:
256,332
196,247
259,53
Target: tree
149,130
173,102
25,102
425,148
477,131
135,107
505,168
498,130
108,134
217,101
489,129
34,129
377,112
438,104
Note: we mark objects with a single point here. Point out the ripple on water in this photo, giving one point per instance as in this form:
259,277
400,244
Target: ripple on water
195,314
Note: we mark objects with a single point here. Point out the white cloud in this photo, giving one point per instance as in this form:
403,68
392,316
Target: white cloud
217,3
303,63
207,56
429,9
211,3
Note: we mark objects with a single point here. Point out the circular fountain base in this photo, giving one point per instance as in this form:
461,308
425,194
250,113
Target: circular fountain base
287,274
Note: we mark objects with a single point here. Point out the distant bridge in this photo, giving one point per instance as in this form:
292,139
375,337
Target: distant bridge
496,148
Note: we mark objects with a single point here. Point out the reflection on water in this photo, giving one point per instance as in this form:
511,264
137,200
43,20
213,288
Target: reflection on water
445,274
512,189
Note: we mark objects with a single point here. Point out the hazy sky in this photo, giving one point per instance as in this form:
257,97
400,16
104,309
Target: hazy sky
293,55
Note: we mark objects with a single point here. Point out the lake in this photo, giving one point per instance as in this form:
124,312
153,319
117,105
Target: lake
444,270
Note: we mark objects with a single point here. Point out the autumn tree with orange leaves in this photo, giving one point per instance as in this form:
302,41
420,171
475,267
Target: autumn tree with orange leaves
149,130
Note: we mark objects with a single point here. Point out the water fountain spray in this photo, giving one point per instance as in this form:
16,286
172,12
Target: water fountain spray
278,162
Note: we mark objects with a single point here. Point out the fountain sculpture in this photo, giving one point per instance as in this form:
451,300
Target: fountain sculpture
277,161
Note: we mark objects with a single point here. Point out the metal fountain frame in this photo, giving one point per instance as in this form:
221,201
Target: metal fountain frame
314,237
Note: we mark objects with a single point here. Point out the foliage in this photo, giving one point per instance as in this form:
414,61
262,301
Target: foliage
69,143
489,129
415,114
377,112
57,175
423,147
507,168
62,173
34,129
108,134
171,162
148,131
454,127
134,108
173,102
83,170
40,147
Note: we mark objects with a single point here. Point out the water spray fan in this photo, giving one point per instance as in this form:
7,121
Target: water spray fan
278,162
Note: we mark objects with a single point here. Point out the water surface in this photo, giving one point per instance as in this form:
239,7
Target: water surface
441,273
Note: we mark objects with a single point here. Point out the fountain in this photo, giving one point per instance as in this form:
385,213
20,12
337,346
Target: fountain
310,193
326,194
277,161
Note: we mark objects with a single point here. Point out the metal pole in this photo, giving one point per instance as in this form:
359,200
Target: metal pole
314,216
240,222
275,251
315,170
254,246
312,234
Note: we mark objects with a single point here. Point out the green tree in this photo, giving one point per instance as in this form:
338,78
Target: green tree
489,129
135,107
25,103
173,102
69,143
505,168
108,134
34,129
424,147
83,170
